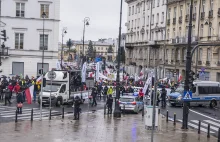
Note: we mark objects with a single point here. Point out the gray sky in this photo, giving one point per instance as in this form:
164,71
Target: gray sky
103,14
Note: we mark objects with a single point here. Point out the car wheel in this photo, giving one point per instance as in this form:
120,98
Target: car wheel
59,103
213,104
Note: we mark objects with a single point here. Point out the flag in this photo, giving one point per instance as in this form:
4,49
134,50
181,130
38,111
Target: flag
97,71
38,80
180,78
84,72
29,94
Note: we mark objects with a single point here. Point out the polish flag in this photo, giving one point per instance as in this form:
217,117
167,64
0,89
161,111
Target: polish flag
29,94
180,78
38,80
91,74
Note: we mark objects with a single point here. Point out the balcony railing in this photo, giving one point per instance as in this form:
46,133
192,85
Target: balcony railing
202,15
4,52
45,48
180,19
211,14
194,17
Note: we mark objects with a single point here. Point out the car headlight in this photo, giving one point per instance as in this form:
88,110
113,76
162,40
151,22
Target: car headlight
53,95
179,98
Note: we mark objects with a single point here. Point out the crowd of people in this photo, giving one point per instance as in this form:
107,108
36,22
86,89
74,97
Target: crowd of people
17,85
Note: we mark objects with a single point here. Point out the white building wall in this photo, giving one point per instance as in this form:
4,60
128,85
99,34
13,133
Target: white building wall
32,26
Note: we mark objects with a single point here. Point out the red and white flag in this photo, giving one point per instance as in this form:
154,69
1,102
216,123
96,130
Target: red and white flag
180,78
29,94
38,80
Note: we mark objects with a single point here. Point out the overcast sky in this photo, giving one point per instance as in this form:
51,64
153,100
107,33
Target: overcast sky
104,18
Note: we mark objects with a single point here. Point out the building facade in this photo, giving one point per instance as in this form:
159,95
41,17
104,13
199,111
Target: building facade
146,32
101,48
23,23
205,30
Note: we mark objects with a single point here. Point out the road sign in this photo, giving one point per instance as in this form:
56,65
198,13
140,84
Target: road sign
187,96
51,75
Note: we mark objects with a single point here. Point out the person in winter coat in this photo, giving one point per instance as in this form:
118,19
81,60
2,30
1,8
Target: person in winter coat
10,87
19,102
141,94
109,104
163,97
105,90
94,95
77,102
7,96
17,88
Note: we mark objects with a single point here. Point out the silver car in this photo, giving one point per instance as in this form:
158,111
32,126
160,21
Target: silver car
130,103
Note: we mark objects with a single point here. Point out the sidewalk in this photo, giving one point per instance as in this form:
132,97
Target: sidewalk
94,127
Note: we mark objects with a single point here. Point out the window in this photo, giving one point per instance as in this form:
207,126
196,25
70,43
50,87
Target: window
132,10
200,54
162,34
208,54
174,12
45,45
18,68
174,33
195,4
173,54
178,54
129,11
168,15
211,4
135,24
44,8
157,17
147,35
136,9
156,35
148,5
129,24
184,54
201,30
19,41
152,35
158,2
132,24
152,20
168,34
153,5
144,7
203,6
162,2
180,32
162,17
167,51
20,9
144,21
181,10
188,8
98,48
138,22
210,29
142,37
148,20
139,9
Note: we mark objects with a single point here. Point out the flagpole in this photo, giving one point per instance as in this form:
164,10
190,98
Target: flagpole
41,96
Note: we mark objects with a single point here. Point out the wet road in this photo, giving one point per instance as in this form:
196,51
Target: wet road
205,114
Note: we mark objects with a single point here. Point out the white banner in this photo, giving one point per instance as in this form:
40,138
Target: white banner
84,72
97,72
147,83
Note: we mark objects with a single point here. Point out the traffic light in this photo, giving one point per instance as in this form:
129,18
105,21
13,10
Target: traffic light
44,82
3,34
191,79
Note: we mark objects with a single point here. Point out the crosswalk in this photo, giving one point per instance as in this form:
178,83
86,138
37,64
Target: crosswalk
214,125
7,112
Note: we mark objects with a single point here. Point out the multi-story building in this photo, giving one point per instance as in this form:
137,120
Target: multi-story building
23,23
100,46
146,26
205,30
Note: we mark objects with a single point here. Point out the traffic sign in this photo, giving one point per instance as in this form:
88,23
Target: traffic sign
187,96
51,75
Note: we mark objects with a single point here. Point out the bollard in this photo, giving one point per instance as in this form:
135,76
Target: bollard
16,116
167,115
174,118
104,109
199,125
218,134
32,112
63,113
208,131
50,114
143,111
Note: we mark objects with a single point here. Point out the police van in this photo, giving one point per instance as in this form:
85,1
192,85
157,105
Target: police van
203,93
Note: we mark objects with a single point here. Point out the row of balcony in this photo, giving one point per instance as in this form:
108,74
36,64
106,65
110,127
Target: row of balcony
183,62
202,16
4,52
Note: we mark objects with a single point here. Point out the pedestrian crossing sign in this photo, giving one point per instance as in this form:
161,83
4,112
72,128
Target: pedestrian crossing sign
187,95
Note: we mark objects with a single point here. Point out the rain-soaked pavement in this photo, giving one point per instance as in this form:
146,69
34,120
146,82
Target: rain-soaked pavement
94,127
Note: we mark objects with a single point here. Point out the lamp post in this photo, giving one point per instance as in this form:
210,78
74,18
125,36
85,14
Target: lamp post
63,34
42,70
117,112
85,23
188,69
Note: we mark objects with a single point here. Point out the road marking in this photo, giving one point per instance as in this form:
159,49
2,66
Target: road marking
213,123
28,114
205,125
205,115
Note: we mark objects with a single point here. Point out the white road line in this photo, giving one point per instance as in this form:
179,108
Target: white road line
205,115
27,114
37,116
211,122
196,127
205,125
23,110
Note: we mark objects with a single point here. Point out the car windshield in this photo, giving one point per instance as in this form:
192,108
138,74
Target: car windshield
52,88
126,99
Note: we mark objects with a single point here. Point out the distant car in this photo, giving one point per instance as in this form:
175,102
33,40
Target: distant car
175,98
130,103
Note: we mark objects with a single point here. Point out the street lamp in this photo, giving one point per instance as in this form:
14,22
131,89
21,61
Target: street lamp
117,112
42,70
85,23
63,34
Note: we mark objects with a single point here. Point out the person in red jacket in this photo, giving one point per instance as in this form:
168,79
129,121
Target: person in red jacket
141,94
17,88
10,87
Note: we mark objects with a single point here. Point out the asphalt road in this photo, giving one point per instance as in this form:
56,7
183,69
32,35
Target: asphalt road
205,114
